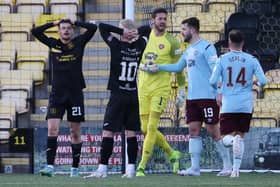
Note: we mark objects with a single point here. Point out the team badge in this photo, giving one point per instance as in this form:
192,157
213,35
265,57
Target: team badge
53,110
161,46
70,45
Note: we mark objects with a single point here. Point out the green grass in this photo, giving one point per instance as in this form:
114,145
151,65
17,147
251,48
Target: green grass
152,180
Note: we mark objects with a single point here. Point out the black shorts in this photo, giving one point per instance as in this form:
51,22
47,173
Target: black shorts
235,122
73,103
122,111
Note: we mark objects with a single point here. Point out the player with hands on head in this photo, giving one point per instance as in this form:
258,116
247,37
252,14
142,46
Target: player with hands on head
237,70
67,81
122,109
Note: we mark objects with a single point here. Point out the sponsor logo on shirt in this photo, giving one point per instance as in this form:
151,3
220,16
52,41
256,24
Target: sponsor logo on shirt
55,50
191,63
178,52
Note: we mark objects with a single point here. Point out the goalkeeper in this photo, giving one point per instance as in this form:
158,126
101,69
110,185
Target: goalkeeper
154,89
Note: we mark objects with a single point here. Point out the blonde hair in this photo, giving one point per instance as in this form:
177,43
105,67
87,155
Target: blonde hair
128,24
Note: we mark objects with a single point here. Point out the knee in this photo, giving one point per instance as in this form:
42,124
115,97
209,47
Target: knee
75,133
214,132
53,131
108,134
194,131
129,133
152,128
53,127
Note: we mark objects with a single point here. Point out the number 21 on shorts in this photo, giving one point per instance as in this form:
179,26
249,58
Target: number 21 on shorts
76,111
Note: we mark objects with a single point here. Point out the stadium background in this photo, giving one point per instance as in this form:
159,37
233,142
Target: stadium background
24,76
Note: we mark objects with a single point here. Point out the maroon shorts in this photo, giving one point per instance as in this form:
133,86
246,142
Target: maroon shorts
204,110
232,122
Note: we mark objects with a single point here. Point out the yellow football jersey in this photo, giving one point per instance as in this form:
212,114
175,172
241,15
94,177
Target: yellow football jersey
163,49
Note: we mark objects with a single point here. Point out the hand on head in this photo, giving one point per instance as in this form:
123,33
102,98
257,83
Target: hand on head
130,34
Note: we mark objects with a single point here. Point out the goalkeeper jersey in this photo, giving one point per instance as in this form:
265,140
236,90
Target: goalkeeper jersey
163,49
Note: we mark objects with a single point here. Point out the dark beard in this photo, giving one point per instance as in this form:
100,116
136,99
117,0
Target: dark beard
188,38
160,29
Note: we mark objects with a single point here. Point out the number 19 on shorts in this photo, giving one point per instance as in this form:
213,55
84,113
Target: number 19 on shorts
76,111
208,112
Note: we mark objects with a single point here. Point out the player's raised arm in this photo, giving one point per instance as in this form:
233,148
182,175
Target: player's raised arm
38,32
144,31
106,30
91,29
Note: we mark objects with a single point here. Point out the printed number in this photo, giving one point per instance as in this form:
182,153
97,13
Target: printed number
19,140
76,111
128,71
240,77
208,112
160,101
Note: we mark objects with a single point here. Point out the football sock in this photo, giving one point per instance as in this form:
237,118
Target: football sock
76,154
51,149
195,149
160,139
132,148
162,143
150,139
238,151
224,153
106,149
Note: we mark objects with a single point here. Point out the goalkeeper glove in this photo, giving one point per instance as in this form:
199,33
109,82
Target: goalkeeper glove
149,67
180,99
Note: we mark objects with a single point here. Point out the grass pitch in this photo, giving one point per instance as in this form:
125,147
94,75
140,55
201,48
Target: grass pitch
151,180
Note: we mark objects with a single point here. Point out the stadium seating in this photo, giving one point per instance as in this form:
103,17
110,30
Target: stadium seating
7,114
211,24
6,7
47,18
68,7
4,136
32,56
268,107
17,86
7,55
33,7
248,24
16,27
185,9
225,6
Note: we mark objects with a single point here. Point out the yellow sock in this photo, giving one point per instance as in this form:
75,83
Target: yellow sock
150,138
162,143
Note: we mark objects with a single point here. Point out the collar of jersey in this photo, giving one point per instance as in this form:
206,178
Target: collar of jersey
154,35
